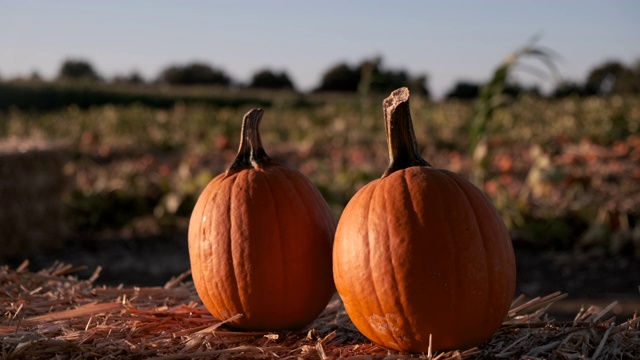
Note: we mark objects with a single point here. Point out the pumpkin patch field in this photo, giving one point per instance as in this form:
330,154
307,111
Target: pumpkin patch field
111,213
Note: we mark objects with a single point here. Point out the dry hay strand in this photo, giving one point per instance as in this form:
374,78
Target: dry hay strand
52,314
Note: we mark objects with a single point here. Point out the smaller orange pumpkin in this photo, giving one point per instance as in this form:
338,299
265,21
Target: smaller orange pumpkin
422,260
260,241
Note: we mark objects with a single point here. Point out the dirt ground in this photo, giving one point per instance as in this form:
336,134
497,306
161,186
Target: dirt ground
587,278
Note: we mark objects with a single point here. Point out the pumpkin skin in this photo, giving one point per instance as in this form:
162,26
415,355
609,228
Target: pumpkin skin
260,242
421,252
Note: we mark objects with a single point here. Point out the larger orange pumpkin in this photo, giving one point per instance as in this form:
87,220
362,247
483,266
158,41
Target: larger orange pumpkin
260,239
421,253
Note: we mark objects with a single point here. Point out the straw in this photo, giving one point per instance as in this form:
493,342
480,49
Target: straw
52,314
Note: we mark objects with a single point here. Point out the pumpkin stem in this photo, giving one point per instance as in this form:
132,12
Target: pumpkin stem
251,154
401,140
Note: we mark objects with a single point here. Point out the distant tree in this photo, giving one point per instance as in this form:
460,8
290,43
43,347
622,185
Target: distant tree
636,67
194,74
77,70
464,90
34,76
610,78
568,88
133,78
419,85
268,79
369,71
636,73
370,76
384,81
515,89
375,78
341,77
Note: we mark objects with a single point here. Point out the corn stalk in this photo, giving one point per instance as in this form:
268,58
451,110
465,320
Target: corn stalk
491,99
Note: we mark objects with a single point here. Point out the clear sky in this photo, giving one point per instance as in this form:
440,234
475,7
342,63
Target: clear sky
446,40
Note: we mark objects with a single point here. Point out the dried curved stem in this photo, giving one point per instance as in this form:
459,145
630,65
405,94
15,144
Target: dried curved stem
250,153
401,139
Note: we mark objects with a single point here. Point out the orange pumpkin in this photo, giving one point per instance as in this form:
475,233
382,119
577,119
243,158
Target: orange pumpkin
421,253
260,240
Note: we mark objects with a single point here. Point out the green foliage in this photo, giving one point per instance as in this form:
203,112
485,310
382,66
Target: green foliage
40,96
464,90
133,78
568,88
267,79
370,77
78,70
612,78
194,74
340,77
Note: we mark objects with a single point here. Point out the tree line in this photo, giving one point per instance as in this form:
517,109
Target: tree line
370,75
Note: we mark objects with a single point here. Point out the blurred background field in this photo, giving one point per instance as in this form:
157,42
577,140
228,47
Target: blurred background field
558,169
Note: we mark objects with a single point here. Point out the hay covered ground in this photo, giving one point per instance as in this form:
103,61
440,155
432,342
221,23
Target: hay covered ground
586,278
52,313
